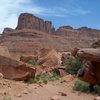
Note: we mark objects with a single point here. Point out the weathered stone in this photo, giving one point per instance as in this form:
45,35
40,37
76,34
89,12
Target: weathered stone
63,94
91,70
30,34
39,70
29,21
55,98
83,33
49,61
27,58
89,54
15,70
18,95
25,92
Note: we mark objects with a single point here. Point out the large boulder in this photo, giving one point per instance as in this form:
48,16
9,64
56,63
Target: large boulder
49,61
91,71
27,58
89,54
15,70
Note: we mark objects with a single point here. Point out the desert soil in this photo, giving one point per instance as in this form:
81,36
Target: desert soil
50,91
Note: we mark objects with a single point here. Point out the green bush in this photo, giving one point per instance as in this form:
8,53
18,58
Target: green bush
84,87
54,77
7,98
97,89
73,65
81,86
43,78
32,62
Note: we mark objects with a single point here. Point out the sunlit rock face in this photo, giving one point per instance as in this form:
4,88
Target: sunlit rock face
29,21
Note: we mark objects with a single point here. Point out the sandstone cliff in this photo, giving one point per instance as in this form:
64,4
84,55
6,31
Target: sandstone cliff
33,34
29,21
83,32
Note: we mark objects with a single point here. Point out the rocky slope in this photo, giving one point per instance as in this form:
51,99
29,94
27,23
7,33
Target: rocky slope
33,34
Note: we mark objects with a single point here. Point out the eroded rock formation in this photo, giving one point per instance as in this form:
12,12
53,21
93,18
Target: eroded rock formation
15,70
80,33
91,70
31,34
29,21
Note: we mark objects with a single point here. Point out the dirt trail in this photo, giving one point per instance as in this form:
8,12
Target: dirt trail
21,91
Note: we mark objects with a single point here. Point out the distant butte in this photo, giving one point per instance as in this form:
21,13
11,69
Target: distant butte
29,21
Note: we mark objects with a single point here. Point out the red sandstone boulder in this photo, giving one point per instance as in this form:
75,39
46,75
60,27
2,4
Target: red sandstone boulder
15,70
89,54
49,61
27,58
91,71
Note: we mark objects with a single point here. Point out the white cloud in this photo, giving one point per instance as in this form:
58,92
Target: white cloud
10,9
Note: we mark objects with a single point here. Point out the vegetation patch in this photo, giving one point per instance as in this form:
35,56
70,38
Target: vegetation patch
43,78
7,98
84,87
81,86
73,65
32,62
97,89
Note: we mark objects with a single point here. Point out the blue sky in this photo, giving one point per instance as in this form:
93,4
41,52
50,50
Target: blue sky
76,13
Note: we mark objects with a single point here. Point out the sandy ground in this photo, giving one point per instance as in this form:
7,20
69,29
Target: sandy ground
22,91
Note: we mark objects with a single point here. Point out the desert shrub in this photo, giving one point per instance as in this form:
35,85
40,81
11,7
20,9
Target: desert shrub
32,62
73,65
81,86
53,77
7,98
43,78
30,80
38,79
84,87
97,89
